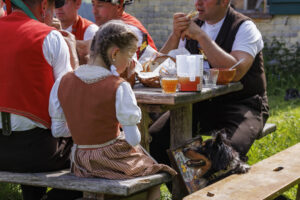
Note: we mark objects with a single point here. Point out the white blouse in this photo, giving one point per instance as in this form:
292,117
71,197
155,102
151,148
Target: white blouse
128,113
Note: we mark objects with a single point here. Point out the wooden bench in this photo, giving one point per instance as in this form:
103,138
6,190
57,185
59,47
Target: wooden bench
92,188
266,179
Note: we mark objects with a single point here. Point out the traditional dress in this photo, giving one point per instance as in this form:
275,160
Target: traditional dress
95,103
83,29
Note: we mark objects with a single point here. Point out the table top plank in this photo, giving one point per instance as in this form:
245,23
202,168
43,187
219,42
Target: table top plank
146,95
261,182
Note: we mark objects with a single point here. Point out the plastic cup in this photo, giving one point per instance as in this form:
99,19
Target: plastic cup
210,77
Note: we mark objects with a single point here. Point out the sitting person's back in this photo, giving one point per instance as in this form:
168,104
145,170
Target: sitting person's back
96,102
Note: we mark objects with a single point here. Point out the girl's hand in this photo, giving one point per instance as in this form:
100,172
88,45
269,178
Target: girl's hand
83,50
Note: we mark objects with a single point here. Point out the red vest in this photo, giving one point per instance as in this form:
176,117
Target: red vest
130,20
78,29
26,78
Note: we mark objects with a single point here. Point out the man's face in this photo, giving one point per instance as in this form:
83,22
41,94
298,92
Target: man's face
104,11
48,13
67,14
210,10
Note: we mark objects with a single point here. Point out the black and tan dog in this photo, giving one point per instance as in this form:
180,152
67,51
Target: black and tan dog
215,157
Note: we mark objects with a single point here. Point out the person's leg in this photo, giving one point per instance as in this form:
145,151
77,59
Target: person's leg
154,193
43,153
243,121
32,193
160,133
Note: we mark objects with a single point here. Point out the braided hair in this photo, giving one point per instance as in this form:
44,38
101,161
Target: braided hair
112,33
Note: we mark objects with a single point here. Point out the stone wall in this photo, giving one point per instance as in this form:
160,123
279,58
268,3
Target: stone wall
157,16
286,28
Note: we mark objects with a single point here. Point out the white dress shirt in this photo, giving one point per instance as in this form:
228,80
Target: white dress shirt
127,111
57,55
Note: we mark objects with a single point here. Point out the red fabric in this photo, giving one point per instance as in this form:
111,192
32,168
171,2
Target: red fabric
26,78
8,6
78,29
129,19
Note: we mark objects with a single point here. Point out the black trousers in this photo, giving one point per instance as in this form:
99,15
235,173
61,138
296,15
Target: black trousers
243,120
36,151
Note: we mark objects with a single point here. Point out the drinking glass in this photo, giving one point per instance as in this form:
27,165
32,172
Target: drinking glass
210,77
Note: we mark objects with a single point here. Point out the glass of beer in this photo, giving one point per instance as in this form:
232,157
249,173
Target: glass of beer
169,84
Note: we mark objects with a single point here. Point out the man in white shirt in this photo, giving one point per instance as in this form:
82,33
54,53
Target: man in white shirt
225,36
82,28
31,59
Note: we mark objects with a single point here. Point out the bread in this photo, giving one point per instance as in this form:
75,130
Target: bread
192,14
151,65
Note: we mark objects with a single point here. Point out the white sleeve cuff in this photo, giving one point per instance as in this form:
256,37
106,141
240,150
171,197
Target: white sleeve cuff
132,135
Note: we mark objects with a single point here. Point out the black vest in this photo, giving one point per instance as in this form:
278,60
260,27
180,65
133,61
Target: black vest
254,81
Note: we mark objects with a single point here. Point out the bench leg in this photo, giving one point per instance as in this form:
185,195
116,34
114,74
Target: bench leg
92,196
298,193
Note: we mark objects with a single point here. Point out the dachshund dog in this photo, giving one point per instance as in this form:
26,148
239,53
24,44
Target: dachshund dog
215,157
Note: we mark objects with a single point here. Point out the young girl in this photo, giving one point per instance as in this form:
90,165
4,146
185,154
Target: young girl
93,102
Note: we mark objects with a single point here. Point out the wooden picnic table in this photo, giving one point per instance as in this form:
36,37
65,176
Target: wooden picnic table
180,106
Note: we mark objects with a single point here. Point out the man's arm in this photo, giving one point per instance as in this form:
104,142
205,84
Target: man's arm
180,23
216,56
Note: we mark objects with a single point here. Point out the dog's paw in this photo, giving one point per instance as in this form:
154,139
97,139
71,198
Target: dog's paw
242,168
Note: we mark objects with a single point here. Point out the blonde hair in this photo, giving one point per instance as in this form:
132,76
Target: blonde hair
114,32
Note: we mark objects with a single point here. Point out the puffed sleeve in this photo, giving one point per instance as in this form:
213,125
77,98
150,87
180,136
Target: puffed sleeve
59,126
128,113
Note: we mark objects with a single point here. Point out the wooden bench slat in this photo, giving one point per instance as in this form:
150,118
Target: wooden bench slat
268,128
261,182
65,180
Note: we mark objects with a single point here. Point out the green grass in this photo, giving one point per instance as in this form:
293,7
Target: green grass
285,114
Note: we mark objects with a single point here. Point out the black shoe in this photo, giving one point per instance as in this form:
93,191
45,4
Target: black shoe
291,93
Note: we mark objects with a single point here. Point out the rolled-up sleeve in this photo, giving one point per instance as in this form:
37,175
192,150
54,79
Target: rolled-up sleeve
59,126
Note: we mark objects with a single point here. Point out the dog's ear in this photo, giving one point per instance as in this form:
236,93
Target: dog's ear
220,137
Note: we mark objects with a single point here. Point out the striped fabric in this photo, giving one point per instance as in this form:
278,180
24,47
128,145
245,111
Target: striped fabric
116,161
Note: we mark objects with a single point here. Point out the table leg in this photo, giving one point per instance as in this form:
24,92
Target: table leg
181,131
143,127
298,193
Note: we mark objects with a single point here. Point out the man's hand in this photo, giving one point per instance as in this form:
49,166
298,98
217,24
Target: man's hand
180,23
71,42
192,32
56,24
